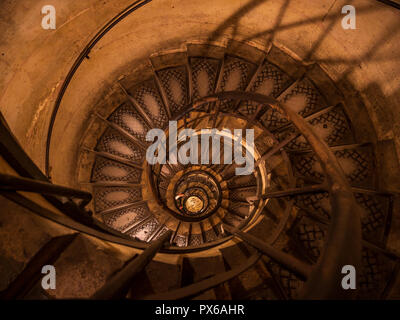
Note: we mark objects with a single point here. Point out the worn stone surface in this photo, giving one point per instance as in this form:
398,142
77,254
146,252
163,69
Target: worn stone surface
196,269
22,235
82,269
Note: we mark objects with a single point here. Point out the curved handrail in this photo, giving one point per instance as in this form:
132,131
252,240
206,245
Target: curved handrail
343,243
390,3
82,56
342,247
149,168
13,153
344,239
102,231
9,182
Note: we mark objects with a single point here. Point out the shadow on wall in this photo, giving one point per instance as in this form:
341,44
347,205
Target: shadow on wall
334,18
385,116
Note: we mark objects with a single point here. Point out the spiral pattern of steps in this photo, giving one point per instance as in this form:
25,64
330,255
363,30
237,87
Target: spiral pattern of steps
195,200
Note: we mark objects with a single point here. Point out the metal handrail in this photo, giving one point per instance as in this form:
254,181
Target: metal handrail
344,241
82,56
9,182
343,245
344,238
390,3
13,153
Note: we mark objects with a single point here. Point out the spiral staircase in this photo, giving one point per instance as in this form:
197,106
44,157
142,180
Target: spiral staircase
201,231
